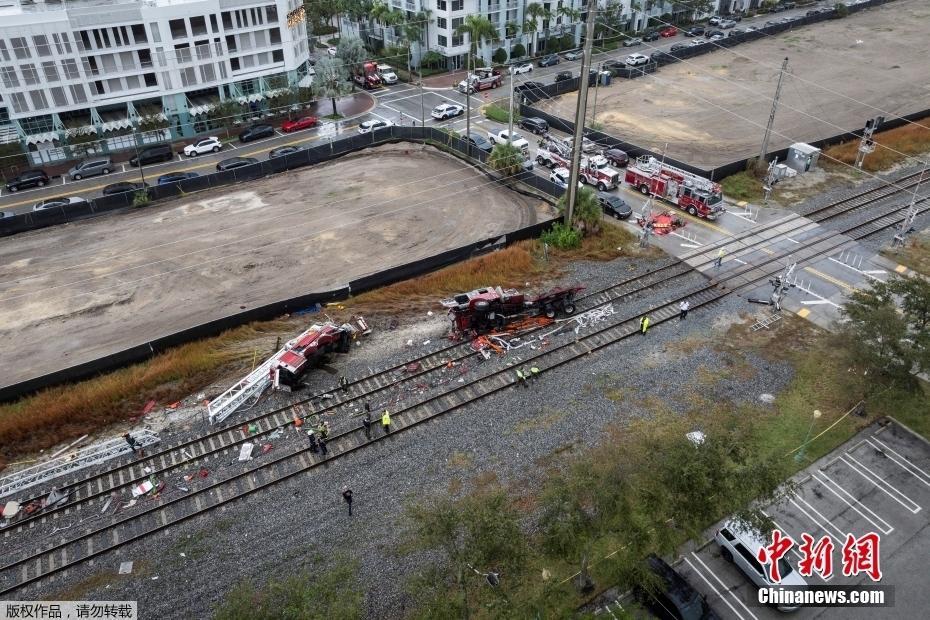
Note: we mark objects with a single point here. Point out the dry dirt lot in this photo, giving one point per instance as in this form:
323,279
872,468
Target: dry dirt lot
73,293
713,109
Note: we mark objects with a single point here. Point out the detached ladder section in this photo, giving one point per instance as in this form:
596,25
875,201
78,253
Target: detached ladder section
71,462
253,384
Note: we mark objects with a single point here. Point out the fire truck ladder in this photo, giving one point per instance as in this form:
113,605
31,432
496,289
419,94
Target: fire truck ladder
650,164
67,463
557,146
253,384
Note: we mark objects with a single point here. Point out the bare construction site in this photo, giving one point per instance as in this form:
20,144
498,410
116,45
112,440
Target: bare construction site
74,293
713,109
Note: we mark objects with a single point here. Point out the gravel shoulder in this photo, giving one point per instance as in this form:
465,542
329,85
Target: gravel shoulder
76,292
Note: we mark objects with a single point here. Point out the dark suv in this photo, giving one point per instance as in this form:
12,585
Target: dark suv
29,178
534,124
256,132
561,76
153,154
672,598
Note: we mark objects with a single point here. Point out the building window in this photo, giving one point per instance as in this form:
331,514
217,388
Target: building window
145,58
51,71
262,58
9,77
441,5
78,94
271,12
213,25
457,22
442,23
70,68
178,28
132,82
198,26
458,5
114,85
275,36
66,42
442,40
117,38
234,63
30,76
207,73
231,43
85,39
156,34
127,60
277,56
182,52
188,77
239,19
150,79
19,103
3,51
223,74
97,39
227,20
58,96
260,40
39,101
19,48
42,47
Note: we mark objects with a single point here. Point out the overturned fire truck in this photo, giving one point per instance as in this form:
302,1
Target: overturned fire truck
493,308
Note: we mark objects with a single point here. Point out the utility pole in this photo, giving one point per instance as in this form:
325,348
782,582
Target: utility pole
510,120
468,100
910,215
763,154
866,144
580,113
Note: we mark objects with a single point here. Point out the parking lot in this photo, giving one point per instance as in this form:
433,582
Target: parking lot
879,481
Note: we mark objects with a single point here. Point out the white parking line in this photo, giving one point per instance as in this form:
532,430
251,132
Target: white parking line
711,586
230,145
885,530
279,133
880,483
383,118
901,461
723,585
842,536
796,546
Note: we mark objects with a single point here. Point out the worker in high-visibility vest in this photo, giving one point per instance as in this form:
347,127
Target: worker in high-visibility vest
386,422
644,325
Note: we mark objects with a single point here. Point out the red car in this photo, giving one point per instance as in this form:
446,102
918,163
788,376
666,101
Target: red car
668,31
301,123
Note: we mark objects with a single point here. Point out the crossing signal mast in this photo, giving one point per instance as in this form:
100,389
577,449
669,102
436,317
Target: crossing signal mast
907,224
866,143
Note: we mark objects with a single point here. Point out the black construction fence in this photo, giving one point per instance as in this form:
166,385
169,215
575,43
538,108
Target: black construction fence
531,96
529,184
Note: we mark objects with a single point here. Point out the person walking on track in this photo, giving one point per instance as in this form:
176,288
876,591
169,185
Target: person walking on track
386,422
133,444
344,384
719,260
644,324
366,423
683,308
323,450
347,496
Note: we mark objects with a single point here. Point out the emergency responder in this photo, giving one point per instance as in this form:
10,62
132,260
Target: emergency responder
644,324
344,384
521,377
386,421
366,423
313,445
683,308
534,373
133,444
323,449
719,260
347,497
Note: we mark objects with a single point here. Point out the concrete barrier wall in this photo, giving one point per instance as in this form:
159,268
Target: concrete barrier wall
305,300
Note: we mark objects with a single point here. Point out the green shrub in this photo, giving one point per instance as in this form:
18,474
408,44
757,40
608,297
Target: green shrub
518,51
562,237
840,10
140,198
499,113
500,56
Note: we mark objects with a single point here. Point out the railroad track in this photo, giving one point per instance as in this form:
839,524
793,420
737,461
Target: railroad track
97,488
36,564
855,202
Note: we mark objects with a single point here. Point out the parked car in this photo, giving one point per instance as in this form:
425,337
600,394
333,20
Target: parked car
534,124
696,42
714,33
6,214
735,31
369,126
678,47
614,205
235,162
331,50
283,151
616,157
740,545
548,61
652,35
633,41
661,58
714,20
573,55
256,132
27,179
560,177
613,66
61,201
726,24
675,598
813,12
668,31
561,76
176,177
694,31
635,60
480,142
715,37
528,85
152,155
206,145
90,167
523,67
122,187
304,122
387,75
447,110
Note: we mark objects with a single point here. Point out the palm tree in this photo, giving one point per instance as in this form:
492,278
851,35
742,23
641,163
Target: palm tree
411,31
534,13
570,14
384,14
477,27
425,16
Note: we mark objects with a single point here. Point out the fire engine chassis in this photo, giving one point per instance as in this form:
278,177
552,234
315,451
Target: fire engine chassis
493,308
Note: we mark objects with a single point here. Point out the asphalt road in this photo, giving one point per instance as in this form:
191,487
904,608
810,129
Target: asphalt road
400,103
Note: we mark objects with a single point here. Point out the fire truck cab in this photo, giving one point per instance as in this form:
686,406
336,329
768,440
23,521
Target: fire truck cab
597,171
689,192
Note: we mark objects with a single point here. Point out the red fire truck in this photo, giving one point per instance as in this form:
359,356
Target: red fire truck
689,192
595,170
367,75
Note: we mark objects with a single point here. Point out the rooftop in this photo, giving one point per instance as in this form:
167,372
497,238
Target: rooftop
20,7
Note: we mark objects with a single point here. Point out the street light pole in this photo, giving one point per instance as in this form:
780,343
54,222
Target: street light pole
580,114
800,455
510,120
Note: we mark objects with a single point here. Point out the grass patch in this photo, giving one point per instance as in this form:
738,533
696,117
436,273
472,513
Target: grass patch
612,242
916,254
742,186
500,114
60,413
333,117
898,143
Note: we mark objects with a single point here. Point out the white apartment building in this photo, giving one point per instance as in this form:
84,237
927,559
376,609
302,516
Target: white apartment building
115,68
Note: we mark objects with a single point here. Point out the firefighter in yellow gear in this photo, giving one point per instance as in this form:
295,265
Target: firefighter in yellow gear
386,421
